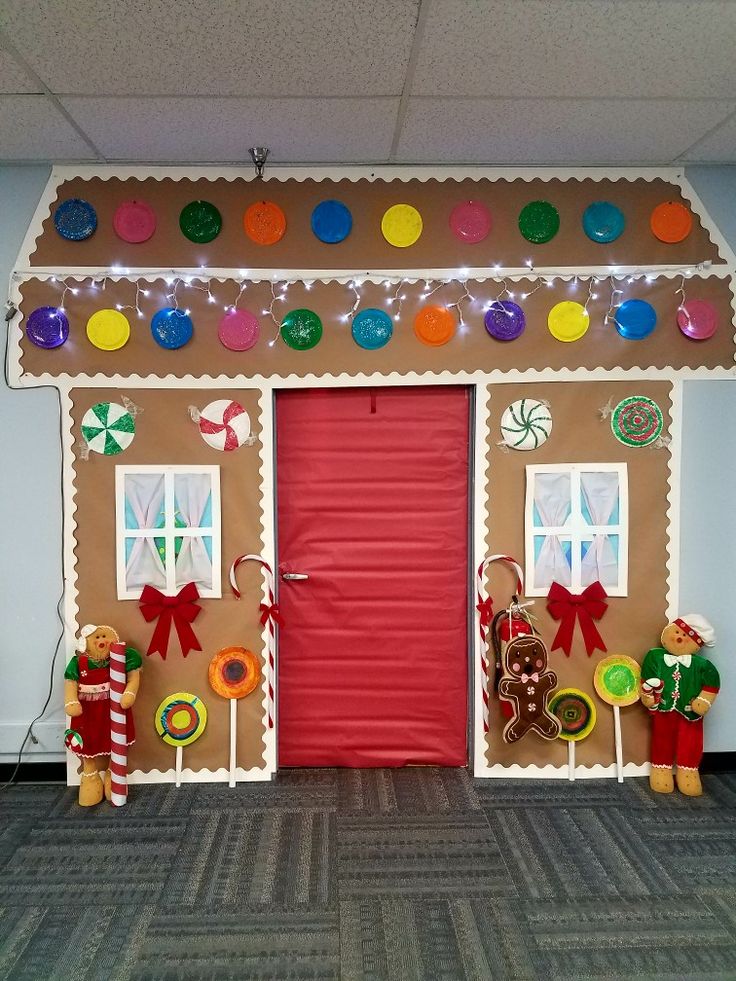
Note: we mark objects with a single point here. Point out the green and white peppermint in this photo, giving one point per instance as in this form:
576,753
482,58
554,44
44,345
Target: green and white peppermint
526,424
108,428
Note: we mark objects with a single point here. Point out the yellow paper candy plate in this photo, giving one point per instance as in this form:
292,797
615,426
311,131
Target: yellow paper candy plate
401,225
616,680
108,330
568,321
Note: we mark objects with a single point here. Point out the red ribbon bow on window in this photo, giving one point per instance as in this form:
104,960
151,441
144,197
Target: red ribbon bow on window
270,613
181,609
588,606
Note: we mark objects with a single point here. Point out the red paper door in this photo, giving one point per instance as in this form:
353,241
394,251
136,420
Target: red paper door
372,491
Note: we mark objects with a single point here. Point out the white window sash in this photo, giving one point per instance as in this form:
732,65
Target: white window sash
169,532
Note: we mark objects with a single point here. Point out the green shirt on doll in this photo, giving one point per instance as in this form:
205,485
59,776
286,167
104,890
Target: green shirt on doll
133,661
684,677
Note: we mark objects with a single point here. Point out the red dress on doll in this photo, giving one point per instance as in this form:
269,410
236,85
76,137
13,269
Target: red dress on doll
93,725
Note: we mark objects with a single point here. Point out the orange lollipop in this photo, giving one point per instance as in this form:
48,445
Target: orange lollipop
671,222
264,222
434,325
234,672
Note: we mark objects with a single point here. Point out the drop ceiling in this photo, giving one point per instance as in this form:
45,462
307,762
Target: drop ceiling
506,82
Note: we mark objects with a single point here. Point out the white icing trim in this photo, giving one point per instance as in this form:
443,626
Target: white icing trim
673,499
187,776
480,513
550,772
267,506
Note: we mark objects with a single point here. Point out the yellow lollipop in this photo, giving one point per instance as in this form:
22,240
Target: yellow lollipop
401,225
568,321
108,330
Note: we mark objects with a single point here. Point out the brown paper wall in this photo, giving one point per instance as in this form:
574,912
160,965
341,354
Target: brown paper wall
469,350
632,624
365,247
166,435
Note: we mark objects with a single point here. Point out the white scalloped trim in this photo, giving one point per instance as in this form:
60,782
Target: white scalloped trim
550,772
481,450
187,776
674,456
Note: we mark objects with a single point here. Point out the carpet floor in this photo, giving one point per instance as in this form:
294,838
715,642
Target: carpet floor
366,875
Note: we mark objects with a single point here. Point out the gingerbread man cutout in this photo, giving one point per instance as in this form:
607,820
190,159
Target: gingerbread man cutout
528,683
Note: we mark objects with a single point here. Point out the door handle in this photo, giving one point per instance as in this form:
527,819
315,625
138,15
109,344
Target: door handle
294,576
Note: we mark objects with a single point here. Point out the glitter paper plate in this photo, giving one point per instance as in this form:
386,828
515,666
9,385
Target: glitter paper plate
470,221
635,319
238,330
301,329
264,223
401,225
47,327
225,425
75,219
234,672
108,428
434,325
504,320
637,421
697,319
181,718
603,222
671,222
331,221
108,330
134,221
576,712
171,328
526,424
539,221
372,329
200,221
616,680
568,321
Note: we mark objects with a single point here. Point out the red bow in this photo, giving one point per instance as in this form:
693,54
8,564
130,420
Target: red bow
589,606
181,608
485,608
270,613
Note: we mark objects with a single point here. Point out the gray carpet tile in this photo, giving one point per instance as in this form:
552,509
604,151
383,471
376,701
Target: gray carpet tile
294,789
424,856
413,790
145,801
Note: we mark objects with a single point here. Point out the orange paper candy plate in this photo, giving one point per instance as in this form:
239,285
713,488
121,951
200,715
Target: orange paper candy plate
264,222
434,325
234,672
671,222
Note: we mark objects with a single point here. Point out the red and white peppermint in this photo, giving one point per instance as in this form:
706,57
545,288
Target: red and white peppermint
225,425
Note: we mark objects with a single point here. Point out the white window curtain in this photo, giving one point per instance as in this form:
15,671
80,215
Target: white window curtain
193,564
145,495
600,493
552,500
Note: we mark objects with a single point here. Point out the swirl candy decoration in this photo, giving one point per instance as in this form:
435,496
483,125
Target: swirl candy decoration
637,421
526,424
616,681
576,712
234,673
180,719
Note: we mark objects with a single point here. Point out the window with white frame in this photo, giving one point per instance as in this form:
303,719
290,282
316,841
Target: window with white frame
167,529
577,527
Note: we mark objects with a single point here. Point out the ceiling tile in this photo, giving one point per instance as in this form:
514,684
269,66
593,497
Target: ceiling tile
14,79
226,47
32,128
718,147
221,130
602,48
529,131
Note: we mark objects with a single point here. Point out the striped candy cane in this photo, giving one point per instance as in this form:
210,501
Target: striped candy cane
118,727
484,615
269,615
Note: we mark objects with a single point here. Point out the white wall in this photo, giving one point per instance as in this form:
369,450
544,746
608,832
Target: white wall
30,503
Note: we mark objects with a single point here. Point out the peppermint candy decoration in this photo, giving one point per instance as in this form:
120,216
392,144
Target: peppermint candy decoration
73,741
224,425
108,428
637,421
526,424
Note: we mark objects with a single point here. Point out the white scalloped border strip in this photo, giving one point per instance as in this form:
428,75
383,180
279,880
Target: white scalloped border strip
222,775
673,175
550,772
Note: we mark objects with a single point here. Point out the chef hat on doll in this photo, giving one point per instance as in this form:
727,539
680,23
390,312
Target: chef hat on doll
87,629
697,627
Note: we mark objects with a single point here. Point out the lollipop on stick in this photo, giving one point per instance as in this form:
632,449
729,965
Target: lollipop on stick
180,719
616,681
234,673
577,716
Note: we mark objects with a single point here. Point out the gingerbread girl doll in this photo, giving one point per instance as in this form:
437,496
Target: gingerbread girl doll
87,702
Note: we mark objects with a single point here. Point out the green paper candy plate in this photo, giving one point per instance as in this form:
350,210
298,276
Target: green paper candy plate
616,680
539,221
200,221
301,329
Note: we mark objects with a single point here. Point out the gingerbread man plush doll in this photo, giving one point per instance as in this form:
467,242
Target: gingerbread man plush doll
87,702
679,687
527,683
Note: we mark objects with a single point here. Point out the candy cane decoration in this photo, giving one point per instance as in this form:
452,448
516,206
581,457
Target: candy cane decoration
269,615
484,615
118,727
